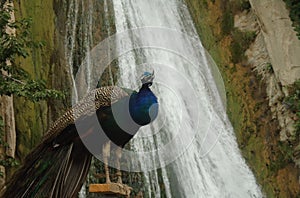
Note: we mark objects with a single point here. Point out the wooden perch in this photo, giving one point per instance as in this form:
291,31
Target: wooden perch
111,188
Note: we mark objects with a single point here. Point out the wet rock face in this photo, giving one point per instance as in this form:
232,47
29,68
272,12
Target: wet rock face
33,119
50,63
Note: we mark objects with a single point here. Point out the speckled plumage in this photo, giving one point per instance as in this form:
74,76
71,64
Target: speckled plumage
58,166
97,98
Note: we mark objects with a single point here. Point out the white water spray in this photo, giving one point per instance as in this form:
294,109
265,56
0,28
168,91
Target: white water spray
203,159
211,166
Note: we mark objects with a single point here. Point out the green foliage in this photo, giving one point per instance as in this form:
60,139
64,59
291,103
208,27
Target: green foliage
227,23
34,90
9,162
241,42
294,7
293,102
13,79
286,155
240,5
283,157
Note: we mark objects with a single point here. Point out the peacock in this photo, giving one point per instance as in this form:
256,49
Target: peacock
58,166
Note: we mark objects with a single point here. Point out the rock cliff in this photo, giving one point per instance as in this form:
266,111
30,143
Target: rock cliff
275,55
281,41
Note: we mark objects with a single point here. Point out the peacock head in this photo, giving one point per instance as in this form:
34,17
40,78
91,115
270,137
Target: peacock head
147,78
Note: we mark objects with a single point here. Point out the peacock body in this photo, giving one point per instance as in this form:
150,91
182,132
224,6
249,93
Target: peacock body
58,166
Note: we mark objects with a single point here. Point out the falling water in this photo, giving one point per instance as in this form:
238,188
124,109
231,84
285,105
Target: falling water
108,33
70,39
202,159
78,32
211,164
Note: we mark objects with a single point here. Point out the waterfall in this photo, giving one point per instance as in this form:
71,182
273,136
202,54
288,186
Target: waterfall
79,35
108,33
190,150
162,37
70,39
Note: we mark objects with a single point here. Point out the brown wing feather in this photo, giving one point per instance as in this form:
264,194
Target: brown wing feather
101,97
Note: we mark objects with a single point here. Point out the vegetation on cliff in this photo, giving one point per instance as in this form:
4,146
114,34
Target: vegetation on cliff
14,80
293,103
294,7
248,109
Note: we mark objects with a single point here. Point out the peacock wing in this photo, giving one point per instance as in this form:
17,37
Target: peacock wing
96,99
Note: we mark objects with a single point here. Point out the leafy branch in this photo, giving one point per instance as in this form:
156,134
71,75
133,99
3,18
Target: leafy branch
13,79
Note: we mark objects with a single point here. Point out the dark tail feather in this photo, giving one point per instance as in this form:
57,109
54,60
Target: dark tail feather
51,172
74,172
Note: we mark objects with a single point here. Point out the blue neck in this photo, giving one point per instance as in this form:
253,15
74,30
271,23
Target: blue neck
143,106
